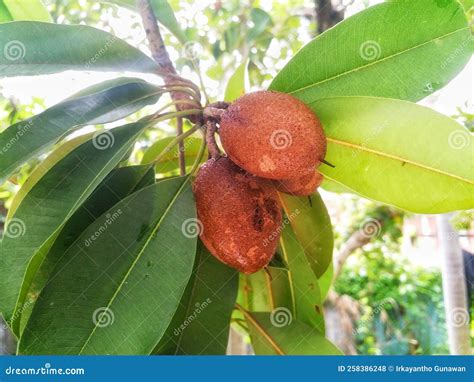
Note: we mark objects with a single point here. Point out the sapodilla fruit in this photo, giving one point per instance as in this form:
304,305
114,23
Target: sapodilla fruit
302,186
240,215
272,135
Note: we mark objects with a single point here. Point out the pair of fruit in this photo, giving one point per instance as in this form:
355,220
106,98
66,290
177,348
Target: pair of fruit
273,142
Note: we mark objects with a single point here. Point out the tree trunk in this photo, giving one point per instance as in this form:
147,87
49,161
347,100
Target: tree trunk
326,15
454,287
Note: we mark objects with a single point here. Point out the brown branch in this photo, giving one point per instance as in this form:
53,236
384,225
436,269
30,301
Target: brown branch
357,240
211,129
168,72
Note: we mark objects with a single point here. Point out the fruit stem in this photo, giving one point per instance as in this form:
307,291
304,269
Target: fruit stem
327,163
212,147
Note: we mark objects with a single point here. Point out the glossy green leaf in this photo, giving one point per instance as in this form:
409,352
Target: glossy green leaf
32,48
33,10
311,224
115,187
399,49
117,287
325,281
303,283
106,102
4,13
47,164
398,153
238,83
272,335
49,204
170,161
253,292
202,322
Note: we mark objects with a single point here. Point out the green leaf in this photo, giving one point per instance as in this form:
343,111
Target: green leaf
253,292
303,283
400,49
170,161
49,162
261,20
115,187
116,289
165,15
325,282
106,102
201,323
4,13
50,202
238,83
285,336
163,12
32,48
398,153
311,224
33,10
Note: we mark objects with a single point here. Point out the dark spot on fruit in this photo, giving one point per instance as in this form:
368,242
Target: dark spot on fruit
257,218
272,208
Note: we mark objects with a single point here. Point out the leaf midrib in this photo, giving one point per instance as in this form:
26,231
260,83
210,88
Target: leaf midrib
376,61
290,274
394,157
132,266
260,329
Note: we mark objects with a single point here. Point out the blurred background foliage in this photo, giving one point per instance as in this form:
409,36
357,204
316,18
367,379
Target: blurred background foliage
398,305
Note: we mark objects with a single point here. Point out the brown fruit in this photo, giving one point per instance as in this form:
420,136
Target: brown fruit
272,135
240,215
303,186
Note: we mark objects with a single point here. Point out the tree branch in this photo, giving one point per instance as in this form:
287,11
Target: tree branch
326,15
168,72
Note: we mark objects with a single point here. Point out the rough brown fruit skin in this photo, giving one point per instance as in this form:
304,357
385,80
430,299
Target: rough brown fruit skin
303,186
272,135
240,215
